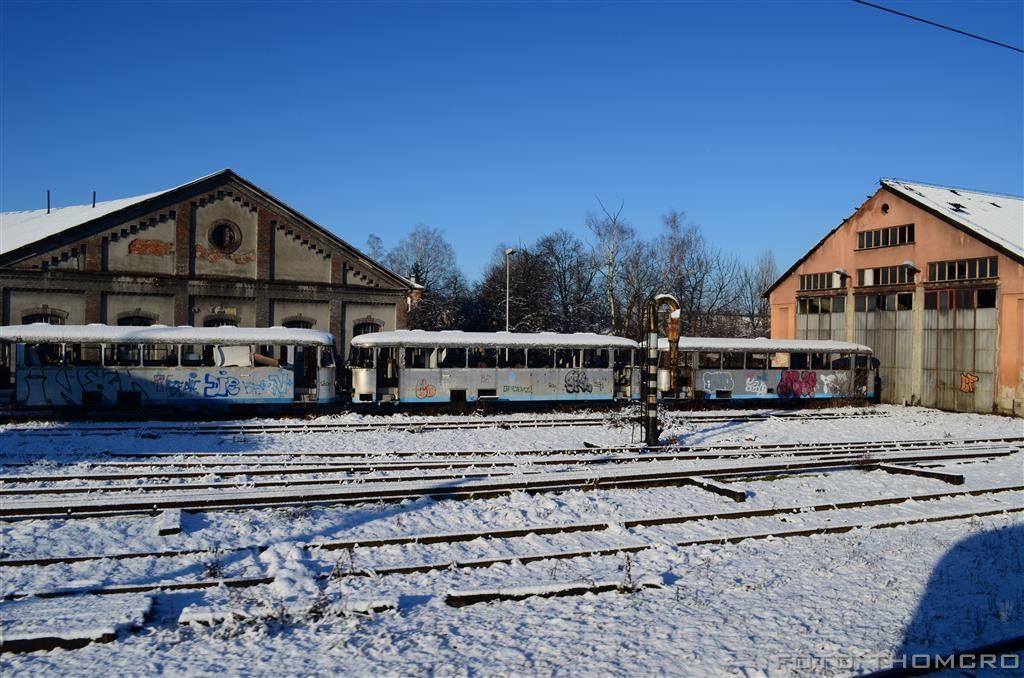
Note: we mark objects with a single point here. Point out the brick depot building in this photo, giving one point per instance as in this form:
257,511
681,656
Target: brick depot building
216,251
932,279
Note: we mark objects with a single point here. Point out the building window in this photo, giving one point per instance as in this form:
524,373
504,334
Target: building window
136,318
963,269
885,276
890,236
365,328
961,298
299,323
50,316
822,281
813,305
220,321
225,236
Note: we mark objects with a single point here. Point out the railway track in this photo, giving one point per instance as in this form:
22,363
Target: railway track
329,491
833,523
424,424
295,475
542,529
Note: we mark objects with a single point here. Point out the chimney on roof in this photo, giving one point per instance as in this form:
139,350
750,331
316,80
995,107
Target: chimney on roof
47,201
94,199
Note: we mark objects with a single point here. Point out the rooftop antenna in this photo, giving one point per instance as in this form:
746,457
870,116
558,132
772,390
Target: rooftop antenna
94,199
47,201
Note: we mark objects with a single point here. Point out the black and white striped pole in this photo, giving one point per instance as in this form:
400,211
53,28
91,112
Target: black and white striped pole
653,432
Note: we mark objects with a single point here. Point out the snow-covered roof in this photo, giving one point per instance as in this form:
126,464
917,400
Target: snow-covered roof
18,229
162,334
490,339
994,217
763,345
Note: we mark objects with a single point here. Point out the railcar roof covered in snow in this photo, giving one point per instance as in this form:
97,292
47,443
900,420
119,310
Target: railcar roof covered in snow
490,339
764,345
162,334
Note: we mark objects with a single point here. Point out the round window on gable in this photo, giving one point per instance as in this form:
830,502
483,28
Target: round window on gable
225,236
885,208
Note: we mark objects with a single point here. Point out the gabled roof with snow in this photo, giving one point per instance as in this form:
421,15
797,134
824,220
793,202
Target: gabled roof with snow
995,218
66,225
18,229
490,339
162,334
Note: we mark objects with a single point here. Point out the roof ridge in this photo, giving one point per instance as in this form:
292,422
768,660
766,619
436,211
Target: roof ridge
955,188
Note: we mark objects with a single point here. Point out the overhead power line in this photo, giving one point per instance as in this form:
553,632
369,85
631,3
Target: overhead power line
938,25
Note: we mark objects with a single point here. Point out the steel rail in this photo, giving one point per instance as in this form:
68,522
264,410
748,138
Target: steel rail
521,558
711,447
397,491
325,475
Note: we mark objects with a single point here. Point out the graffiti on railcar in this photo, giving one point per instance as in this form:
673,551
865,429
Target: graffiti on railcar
424,389
836,383
576,381
797,384
69,385
756,385
718,381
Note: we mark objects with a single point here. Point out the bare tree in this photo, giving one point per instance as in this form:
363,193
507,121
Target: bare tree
639,278
571,274
427,249
428,257
375,248
704,279
611,233
755,307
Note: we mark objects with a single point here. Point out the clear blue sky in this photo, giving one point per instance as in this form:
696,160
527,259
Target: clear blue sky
766,122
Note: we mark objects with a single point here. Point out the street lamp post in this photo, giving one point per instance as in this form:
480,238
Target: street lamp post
508,253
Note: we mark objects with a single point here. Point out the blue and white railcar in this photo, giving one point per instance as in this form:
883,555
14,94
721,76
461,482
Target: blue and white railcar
159,366
791,369
415,366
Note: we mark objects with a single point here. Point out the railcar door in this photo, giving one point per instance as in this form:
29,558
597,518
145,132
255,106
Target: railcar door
305,370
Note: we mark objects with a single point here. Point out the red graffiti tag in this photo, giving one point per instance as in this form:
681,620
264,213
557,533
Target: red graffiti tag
795,384
425,389
967,382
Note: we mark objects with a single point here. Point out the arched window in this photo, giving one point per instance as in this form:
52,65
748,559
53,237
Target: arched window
220,321
365,328
136,318
299,321
44,314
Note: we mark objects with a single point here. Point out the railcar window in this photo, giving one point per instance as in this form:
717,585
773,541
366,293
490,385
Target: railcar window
779,361
514,358
159,355
757,361
709,360
483,358
86,354
540,358
326,356
819,361
596,358
122,355
732,360
686,359
798,361
42,355
361,357
566,358
263,356
449,357
418,358
622,358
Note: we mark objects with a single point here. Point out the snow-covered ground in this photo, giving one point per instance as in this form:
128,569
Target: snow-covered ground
831,604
